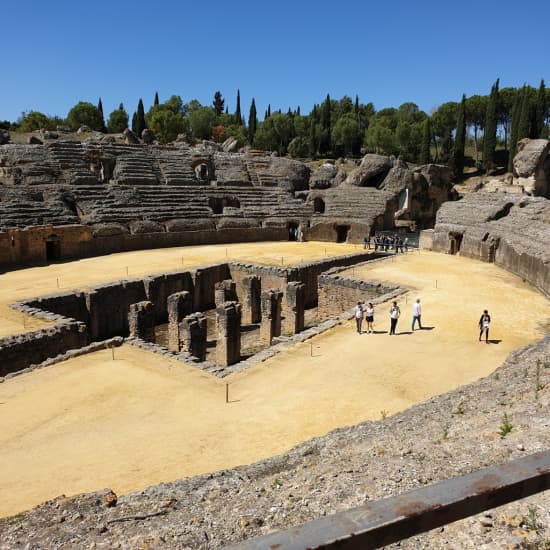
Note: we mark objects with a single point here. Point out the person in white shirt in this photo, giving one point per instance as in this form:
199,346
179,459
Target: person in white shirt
484,322
395,312
417,314
358,314
369,317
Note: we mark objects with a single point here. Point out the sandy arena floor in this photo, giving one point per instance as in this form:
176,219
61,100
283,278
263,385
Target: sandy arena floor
95,422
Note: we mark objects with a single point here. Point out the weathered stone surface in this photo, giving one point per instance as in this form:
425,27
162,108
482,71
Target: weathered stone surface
34,140
228,328
141,321
323,177
147,136
371,172
129,137
532,167
509,229
271,315
230,145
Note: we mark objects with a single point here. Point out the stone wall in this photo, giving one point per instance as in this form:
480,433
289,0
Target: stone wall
510,230
339,293
22,351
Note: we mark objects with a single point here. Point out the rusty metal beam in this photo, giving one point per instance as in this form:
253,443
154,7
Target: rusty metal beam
391,519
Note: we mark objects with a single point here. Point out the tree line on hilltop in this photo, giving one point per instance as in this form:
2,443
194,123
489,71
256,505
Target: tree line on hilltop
487,127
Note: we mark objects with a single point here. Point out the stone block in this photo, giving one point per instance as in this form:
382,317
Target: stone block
271,315
141,321
228,327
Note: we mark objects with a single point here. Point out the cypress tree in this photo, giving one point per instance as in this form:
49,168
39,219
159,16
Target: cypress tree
140,119
252,122
298,113
218,103
460,140
325,141
100,109
516,112
156,102
268,114
490,138
356,107
540,111
134,123
523,124
425,155
238,116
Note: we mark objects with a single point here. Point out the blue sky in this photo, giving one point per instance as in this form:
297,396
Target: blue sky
59,52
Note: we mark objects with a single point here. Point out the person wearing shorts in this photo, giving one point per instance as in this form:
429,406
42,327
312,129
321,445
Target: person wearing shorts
484,322
369,317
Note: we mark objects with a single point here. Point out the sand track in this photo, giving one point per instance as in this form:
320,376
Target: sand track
92,422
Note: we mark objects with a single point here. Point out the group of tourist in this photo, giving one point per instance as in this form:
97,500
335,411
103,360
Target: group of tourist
395,312
387,242
295,234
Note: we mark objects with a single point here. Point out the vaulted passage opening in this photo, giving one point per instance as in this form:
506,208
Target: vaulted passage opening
318,205
342,233
53,249
217,204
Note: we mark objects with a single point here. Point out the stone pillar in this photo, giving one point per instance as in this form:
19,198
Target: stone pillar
225,291
252,300
193,335
271,315
295,307
228,328
179,305
141,321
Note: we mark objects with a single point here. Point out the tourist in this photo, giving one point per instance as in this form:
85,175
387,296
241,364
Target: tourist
406,244
369,317
366,241
417,314
484,322
395,312
358,314
375,242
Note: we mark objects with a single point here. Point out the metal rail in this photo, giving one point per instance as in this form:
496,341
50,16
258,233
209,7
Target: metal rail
392,519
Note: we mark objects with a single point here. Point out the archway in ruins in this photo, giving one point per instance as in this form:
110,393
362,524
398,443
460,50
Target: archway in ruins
204,171
53,248
292,231
455,242
319,205
342,233
217,204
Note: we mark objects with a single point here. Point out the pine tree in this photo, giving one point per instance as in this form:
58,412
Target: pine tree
238,116
100,109
540,111
516,113
490,138
156,102
460,140
252,122
218,103
425,156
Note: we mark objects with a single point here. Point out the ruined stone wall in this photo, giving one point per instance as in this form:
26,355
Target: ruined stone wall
512,231
338,293
159,287
20,352
204,282
66,304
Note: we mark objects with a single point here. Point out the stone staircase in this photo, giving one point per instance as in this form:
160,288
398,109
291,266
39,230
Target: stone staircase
70,157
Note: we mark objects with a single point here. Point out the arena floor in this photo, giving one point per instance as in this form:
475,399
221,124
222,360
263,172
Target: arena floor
95,422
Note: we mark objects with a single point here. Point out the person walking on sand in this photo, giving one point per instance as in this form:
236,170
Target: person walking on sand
417,314
395,312
484,322
369,317
358,314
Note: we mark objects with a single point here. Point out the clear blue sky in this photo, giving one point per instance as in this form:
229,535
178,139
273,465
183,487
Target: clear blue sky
59,52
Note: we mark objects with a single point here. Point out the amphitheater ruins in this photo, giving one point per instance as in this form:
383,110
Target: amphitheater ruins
185,258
